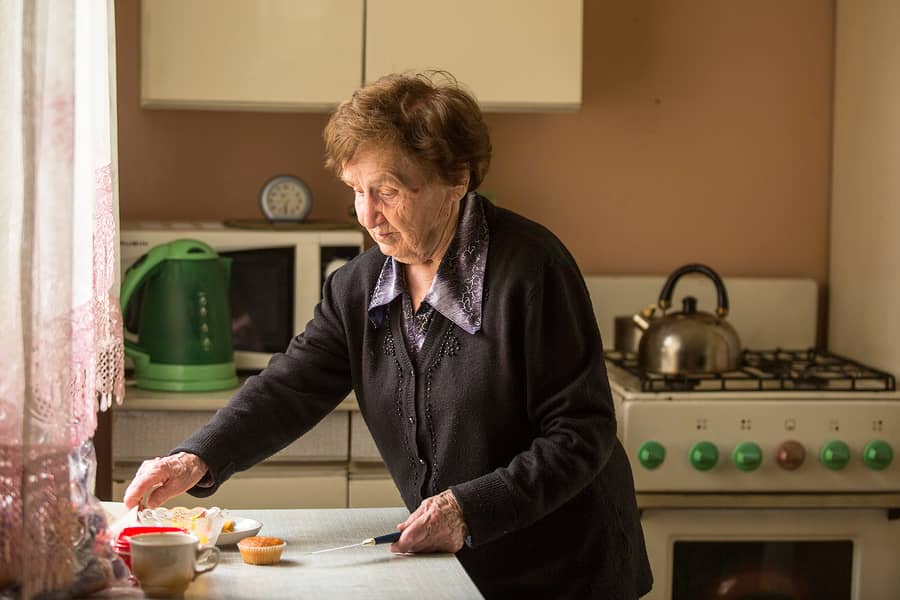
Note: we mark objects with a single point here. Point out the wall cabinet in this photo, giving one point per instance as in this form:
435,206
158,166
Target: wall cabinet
234,54
513,55
310,55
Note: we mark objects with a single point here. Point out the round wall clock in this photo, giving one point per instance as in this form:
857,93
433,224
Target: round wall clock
285,198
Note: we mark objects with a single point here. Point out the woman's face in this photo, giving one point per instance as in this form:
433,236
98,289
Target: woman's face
409,217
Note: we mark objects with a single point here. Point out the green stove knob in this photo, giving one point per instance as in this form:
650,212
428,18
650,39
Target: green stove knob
747,456
835,455
651,454
704,456
878,455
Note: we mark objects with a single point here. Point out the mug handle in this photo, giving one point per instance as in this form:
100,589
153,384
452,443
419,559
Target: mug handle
207,559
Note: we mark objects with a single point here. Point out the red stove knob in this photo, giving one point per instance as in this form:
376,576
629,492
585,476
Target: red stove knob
790,455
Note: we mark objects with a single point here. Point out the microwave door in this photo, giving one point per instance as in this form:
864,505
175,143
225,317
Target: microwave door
262,299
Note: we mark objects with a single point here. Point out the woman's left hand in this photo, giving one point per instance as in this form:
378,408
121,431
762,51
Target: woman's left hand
436,526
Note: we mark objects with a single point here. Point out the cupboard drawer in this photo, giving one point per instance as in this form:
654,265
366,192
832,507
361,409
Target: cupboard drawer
371,486
263,486
362,446
141,434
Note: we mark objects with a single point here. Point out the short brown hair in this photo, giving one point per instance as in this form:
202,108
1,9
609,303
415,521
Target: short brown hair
428,117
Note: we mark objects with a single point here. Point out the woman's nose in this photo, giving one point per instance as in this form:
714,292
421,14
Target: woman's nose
367,212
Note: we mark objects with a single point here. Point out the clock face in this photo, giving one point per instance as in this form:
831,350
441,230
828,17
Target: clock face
285,198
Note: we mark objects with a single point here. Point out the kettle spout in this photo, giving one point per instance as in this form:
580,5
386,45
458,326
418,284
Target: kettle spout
642,319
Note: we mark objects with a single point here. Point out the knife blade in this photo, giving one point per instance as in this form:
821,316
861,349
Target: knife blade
387,538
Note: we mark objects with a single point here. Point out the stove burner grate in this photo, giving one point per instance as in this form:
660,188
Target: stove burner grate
767,370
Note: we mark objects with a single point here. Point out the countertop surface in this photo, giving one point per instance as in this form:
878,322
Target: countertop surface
369,572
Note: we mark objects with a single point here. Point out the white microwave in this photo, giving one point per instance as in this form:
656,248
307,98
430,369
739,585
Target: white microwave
276,281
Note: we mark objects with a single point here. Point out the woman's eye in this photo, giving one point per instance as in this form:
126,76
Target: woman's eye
387,193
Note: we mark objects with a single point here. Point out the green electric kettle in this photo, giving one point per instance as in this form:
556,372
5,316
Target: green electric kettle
184,322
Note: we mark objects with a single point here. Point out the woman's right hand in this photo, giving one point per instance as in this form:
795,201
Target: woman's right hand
169,475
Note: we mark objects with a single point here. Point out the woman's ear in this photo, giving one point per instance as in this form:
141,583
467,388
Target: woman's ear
461,188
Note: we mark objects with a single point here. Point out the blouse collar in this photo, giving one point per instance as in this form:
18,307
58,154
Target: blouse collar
458,285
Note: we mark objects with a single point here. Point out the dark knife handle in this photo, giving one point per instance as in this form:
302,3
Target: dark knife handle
388,538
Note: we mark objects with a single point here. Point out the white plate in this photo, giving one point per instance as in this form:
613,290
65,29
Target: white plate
242,528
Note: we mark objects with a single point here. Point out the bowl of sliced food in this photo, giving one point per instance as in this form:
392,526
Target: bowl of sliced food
205,524
237,528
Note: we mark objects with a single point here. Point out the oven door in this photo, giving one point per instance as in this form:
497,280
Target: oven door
773,554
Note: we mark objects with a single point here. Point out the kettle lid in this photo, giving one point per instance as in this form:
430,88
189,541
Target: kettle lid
689,305
187,249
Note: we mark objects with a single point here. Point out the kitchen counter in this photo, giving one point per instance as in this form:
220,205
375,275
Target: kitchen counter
369,572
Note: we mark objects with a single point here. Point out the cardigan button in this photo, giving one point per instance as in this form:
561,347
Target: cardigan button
421,461
411,420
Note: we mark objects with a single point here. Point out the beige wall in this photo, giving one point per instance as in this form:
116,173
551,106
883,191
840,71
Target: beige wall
704,135
864,321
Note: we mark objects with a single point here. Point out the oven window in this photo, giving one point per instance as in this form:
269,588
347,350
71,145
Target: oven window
262,299
768,570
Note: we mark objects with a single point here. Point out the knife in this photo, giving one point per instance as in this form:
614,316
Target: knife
387,538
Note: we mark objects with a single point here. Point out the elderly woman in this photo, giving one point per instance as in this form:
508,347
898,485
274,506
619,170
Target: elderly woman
469,339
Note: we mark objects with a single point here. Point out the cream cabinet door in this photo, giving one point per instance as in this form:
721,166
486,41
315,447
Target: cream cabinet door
513,54
263,486
250,55
370,486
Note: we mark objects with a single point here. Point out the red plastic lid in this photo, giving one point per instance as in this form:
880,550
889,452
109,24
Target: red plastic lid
123,543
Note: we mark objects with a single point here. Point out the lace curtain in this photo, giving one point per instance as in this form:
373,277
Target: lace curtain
61,346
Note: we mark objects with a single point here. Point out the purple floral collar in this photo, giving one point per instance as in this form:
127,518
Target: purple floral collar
458,285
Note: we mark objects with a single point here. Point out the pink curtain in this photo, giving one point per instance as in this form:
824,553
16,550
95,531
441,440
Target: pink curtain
61,345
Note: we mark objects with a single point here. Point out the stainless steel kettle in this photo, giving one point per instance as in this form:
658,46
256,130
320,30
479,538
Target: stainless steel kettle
690,342
628,329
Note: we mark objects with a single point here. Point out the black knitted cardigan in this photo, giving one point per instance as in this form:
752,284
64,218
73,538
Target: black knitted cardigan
519,417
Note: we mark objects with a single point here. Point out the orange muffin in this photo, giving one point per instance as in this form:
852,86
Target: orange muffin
260,550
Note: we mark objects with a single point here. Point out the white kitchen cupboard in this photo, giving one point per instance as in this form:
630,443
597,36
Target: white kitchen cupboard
309,473
514,55
334,465
369,485
311,54
864,284
248,55
138,434
264,486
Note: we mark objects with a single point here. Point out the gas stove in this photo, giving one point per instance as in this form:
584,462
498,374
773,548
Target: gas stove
788,421
767,370
778,479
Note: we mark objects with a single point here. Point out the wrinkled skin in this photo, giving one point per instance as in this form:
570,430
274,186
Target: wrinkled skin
436,526
410,216
169,475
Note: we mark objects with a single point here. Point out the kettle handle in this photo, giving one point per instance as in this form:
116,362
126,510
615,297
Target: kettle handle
665,296
133,278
